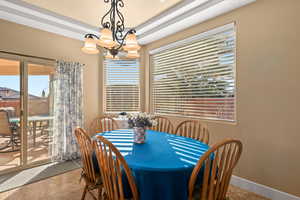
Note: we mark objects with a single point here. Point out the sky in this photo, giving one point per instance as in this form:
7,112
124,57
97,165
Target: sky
36,84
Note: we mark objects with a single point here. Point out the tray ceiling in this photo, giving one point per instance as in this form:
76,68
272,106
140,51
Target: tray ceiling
153,19
90,12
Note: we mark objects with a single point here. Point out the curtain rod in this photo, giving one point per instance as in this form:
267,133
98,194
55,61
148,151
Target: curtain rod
29,56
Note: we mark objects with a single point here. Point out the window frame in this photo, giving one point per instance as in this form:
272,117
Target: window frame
187,41
104,85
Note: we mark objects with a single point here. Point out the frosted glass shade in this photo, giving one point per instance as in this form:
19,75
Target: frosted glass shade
90,46
131,43
106,39
133,54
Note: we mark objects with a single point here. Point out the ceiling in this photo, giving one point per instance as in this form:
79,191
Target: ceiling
153,19
90,12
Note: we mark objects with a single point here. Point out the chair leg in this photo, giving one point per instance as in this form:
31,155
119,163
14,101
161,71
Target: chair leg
100,190
104,195
99,193
91,193
84,192
12,142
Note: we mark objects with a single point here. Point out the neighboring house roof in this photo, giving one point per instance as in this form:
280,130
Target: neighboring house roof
11,94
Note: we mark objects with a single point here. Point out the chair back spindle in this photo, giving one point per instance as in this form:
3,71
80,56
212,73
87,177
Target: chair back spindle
86,150
193,129
163,125
216,167
102,124
113,169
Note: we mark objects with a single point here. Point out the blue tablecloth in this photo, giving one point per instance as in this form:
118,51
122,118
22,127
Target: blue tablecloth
161,166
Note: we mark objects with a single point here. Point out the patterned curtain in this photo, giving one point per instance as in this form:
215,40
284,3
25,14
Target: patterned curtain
68,111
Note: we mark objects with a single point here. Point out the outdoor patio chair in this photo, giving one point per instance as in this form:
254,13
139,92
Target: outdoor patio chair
9,134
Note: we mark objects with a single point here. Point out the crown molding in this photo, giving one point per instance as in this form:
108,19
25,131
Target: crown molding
169,14
26,14
188,13
177,18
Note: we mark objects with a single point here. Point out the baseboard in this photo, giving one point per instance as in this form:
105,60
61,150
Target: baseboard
262,190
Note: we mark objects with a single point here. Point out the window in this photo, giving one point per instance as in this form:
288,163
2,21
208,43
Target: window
121,86
196,77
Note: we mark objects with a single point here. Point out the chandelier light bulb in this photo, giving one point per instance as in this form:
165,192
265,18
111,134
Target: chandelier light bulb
133,54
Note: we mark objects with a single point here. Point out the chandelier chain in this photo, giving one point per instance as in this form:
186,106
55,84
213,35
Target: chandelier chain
116,21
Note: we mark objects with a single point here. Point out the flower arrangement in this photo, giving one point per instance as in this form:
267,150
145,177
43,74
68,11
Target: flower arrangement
141,120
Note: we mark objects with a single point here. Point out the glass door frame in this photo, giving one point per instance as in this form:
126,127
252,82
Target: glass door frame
24,61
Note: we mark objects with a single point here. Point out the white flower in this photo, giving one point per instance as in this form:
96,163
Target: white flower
154,123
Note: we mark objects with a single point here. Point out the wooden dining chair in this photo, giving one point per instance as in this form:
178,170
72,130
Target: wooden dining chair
216,167
114,169
193,129
91,177
163,125
102,124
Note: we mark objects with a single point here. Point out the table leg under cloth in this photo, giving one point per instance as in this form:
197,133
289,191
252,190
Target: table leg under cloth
175,185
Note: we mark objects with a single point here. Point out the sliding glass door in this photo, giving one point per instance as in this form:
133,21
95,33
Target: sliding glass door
40,113
26,108
10,111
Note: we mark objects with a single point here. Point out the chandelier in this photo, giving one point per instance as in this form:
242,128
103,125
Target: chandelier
113,36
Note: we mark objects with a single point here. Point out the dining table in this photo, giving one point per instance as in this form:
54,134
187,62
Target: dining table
162,165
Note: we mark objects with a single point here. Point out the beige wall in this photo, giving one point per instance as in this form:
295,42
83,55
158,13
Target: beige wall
22,39
268,86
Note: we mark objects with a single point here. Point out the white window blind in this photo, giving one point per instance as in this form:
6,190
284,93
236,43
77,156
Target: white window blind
121,86
197,78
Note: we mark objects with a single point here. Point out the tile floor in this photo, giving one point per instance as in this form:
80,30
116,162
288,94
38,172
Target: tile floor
37,152
67,187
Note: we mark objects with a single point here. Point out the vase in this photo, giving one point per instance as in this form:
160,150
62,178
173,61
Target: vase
139,135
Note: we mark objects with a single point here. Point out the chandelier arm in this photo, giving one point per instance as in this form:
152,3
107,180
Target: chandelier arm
112,18
119,36
117,20
107,24
90,35
120,15
120,3
120,22
122,40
